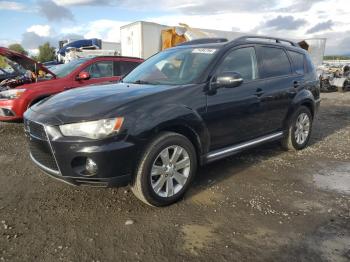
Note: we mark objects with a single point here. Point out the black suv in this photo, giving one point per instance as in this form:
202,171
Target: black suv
183,107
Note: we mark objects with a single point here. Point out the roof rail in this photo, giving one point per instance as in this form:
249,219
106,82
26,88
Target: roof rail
203,41
276,39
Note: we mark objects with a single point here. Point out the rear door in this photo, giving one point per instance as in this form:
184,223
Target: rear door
278,86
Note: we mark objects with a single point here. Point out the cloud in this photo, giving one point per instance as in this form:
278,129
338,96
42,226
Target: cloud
37,35
321,27
31,40
195,7
54,12
108,30
40,30
220,6
344,44
283,23
337,42
299,5
6,42
83,2
10,5
184,6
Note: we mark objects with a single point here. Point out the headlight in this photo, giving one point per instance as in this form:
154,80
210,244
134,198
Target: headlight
12,93
94,129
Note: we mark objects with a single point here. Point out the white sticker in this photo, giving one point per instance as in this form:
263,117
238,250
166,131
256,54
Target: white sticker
209,51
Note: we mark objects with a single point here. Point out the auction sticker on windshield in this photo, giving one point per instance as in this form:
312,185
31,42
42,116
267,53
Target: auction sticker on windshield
204,51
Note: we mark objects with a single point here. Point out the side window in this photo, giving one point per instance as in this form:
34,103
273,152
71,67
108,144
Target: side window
298,62
100,69
126,67
275,62
242,61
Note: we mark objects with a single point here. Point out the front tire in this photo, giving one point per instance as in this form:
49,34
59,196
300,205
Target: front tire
165,170
299,130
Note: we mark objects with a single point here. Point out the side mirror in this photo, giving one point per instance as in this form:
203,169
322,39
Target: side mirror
83,76
227,80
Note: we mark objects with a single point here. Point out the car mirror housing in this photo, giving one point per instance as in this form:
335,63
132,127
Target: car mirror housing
83,76
226,80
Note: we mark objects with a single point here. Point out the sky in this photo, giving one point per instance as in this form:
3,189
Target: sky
34,22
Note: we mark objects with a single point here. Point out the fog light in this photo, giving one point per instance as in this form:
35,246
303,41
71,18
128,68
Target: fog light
91,167
6,112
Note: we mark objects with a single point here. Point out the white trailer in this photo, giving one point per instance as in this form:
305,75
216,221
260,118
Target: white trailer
141,39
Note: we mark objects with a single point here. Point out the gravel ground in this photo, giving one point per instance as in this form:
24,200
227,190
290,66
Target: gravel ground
262,205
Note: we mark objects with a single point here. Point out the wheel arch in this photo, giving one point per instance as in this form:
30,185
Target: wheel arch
186,131
304,98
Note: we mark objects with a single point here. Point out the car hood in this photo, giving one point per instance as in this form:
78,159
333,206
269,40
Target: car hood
26,62
93,102
43,83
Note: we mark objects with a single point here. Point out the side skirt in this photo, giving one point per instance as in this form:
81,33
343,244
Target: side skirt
227,151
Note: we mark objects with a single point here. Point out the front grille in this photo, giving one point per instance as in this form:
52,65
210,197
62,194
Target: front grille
39,145
42,153
34,129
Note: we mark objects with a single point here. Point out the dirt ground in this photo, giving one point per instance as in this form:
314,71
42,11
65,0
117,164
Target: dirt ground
262,205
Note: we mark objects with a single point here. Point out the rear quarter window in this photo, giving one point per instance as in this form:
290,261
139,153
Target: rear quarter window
274,61
298,61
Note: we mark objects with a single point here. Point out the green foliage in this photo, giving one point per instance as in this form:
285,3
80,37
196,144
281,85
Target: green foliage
14,47
18,48
3,63
336,57
46,53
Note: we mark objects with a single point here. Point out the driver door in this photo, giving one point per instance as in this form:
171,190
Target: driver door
233,113
100,72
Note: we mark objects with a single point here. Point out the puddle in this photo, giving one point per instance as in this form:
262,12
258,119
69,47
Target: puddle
335,179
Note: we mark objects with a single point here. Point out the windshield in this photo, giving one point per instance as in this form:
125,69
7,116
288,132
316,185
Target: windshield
172,67
66,69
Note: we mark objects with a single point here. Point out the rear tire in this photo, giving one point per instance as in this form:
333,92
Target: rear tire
165,170
299,130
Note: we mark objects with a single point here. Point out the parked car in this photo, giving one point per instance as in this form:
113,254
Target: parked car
8,73
81,72
183,107
24,70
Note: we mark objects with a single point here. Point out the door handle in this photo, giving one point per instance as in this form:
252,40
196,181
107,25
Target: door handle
67,88
259,92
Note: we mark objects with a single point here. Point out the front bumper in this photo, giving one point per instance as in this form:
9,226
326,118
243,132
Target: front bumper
9,110
65,158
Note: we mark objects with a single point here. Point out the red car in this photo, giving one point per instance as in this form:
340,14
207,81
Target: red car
38,82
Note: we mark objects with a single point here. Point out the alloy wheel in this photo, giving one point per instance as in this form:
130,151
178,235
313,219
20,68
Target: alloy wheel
170,171
302,128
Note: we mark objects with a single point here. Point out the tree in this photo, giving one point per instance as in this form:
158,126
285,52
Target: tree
336,57
46,53
3,63
18,48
